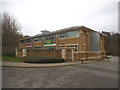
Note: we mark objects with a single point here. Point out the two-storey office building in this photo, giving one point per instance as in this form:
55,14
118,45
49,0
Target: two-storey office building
86,43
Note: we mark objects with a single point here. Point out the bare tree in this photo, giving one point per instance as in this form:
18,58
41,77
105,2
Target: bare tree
112,43
10,33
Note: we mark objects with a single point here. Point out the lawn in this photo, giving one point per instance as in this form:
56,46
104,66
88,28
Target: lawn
11,59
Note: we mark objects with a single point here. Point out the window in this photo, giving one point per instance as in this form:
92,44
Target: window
37,39
50,37
28,41
53,37
74,47
50,47
47,37
94,43
70,34
53,48
69,46
22,41
37,48
60,47
28,48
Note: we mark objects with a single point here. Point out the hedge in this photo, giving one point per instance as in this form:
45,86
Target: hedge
42,59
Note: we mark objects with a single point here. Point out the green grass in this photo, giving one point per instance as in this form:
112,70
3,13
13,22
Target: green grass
11,59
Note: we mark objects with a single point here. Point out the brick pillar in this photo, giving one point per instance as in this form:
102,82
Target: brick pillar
85,41
100,43
57,42
103,49
42,43
72,54
32,44
81,41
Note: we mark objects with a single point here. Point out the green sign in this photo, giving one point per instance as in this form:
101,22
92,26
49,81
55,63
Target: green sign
48,42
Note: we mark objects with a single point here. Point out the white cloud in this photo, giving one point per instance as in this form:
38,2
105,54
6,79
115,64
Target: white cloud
57,14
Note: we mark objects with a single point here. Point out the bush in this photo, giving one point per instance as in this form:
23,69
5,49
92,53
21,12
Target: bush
9,53
8,50
42,59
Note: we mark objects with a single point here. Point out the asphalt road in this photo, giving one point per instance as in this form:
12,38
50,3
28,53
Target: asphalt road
103,74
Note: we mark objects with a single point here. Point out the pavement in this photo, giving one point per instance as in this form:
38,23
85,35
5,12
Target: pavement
103,74
40,65
91,74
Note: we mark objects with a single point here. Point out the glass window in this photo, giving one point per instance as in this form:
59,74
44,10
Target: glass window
50,37
94,43
37,39
60,47
28,48
74,46
47,37
53,37
50,47
37,48
22,41
46,48
28,41
70,34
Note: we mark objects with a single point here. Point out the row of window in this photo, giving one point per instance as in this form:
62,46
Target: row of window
94,44
37,39
54,47
50,48
70,46
46,48
50,37
37,48
70,34
26,41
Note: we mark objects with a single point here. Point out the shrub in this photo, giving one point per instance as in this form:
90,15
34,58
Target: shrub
42,59
9,53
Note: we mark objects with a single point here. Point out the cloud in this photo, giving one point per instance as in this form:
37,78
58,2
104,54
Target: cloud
52,15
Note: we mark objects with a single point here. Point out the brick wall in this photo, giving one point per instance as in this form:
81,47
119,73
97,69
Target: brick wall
19,53
54,53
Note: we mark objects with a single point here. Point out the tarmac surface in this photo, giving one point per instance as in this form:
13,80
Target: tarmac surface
38,65
103,74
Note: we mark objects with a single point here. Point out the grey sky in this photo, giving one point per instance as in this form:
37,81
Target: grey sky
37,15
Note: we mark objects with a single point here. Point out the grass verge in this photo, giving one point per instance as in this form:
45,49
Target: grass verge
11,59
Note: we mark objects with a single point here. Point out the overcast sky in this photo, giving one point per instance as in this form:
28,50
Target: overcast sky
52,15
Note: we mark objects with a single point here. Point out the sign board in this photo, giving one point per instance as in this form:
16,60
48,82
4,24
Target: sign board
49,42
28,44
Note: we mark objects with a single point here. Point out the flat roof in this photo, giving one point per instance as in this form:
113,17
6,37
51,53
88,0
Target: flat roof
58,31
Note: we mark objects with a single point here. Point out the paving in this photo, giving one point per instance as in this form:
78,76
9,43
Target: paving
35,65
103,74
